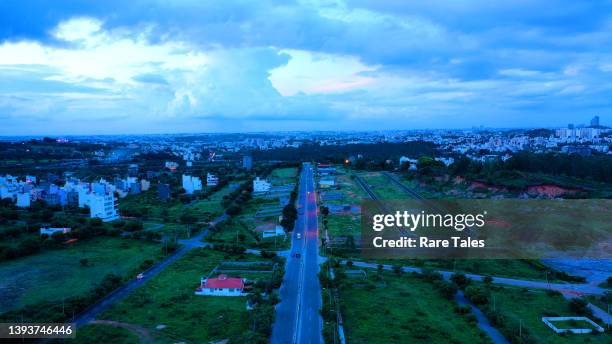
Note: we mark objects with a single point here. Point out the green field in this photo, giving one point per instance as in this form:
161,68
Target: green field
401,309
169,299
383,187
281,176
240,230
57,274
535,304
149,205
104,334
352,193
341,225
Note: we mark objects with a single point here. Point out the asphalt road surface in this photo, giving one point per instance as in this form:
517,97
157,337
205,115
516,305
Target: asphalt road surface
297,315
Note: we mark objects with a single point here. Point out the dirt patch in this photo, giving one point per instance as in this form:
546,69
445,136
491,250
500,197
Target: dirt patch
143,334
550,190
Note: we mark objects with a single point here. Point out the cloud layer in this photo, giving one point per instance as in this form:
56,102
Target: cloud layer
77,67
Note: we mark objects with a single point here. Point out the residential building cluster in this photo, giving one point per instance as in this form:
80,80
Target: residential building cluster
98,196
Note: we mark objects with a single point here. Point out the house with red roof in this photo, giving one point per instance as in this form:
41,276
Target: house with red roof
222,285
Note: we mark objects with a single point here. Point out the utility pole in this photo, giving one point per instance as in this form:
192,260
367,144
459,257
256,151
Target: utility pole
493,303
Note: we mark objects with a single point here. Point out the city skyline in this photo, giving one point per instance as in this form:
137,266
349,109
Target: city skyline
76,68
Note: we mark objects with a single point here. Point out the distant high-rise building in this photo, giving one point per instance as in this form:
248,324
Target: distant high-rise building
595,121
103,207
247,162
191,184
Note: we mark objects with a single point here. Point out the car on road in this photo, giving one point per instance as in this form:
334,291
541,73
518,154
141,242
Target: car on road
298,236
297,255
140,276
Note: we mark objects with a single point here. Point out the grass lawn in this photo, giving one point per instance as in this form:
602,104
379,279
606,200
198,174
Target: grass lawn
340,225
402,309
495,267
427,191
241,231
56,274
532,306
570,324
169,299
281,176
104,334
512,268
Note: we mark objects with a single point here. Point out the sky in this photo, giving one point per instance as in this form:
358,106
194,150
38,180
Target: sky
129,67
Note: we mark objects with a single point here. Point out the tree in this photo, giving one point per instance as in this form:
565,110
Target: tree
83,261
460,280
579,306
447,289
478,295
397,269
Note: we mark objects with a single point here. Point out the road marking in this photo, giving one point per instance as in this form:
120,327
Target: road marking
298,323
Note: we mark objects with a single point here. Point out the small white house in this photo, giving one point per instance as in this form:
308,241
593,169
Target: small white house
50,231
221,286
270,230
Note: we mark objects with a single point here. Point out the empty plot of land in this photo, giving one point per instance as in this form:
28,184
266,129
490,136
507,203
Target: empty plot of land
59,274
281,176
169,300
383,187
535,304
401,309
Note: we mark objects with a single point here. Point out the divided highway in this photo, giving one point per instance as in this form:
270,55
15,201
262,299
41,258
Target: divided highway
297,315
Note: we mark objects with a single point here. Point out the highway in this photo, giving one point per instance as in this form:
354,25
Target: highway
297,315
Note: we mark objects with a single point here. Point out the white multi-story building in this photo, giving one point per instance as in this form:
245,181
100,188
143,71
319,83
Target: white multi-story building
211,179
145,184
23,199
261,185
191,184
103,207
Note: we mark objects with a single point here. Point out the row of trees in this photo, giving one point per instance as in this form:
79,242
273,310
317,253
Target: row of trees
33,244
290,213
377,153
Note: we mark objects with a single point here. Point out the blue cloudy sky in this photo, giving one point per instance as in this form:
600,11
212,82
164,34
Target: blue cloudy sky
115,66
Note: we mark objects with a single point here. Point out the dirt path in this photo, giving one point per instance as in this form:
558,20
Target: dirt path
143,334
